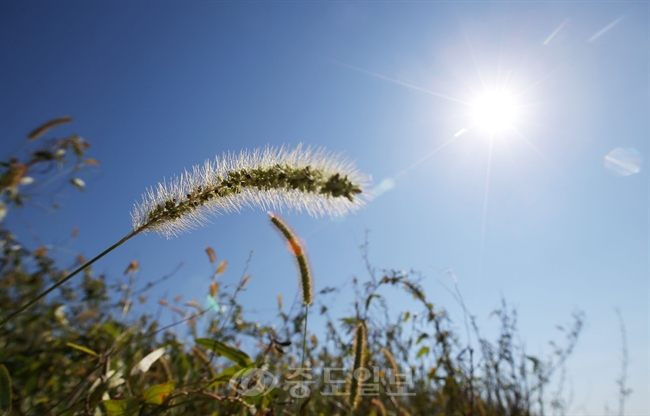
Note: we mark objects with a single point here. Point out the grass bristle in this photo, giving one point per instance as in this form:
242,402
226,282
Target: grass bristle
300,179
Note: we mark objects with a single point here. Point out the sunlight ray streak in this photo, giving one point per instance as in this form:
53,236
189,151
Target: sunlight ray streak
485,207
539,81
539,152
471,52
423,158
402,83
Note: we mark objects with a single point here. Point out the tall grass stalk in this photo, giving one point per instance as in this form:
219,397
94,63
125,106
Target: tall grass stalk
304,350
305,278
359,350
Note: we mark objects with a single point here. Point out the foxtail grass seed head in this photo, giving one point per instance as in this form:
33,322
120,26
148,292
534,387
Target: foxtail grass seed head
42,129
359,350
302,178
403,412
381,410
211,255
299,252
214,290
244,282
221,268
391,361
133,267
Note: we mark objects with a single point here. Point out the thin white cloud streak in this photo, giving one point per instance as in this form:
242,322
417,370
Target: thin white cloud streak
555,32
605,29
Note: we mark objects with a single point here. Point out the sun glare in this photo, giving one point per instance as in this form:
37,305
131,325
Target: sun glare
494,112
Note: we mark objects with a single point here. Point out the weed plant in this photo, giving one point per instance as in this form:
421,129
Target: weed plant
81,351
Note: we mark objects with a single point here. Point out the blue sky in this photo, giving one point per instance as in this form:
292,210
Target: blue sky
159,87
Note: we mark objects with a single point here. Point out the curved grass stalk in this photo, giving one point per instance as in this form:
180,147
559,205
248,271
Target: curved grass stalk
301,179
70,276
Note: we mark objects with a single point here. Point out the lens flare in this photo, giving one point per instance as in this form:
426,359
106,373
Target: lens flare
624,161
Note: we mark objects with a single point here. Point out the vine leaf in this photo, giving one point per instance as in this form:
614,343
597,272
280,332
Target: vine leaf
158,393
125,407
423,350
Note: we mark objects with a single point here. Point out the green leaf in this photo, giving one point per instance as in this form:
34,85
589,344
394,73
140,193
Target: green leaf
349,323
423,350
80,348
374,295
5,391
126,407
158,393
225,375
406,316
421,337
228,351
112,329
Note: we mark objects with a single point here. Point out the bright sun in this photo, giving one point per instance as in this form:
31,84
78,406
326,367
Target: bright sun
494,112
